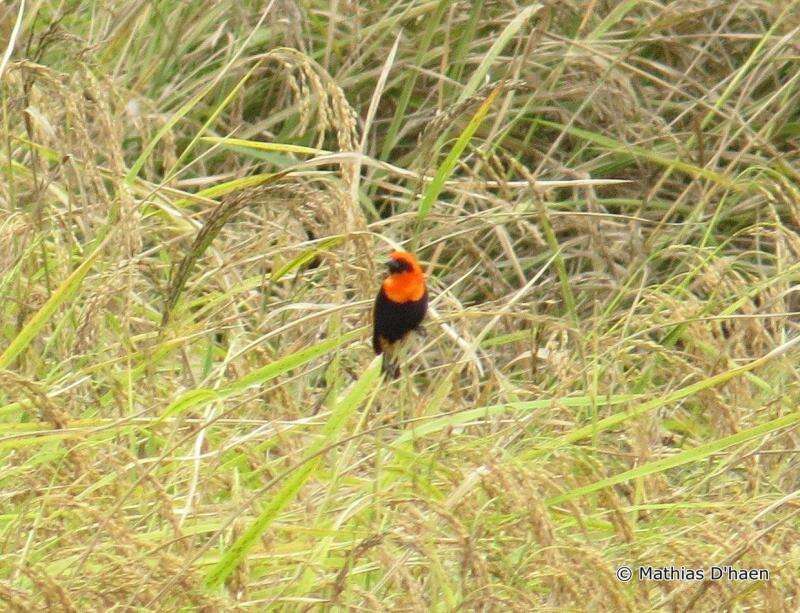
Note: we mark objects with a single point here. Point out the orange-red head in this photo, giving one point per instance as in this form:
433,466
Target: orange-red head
406,281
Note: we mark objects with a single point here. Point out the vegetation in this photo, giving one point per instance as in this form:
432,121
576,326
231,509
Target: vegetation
197,199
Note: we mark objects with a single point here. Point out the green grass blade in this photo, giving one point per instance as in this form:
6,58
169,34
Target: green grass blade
684,392
467,36
202,396
227,187
441,423
613,18
212,118
357,394
270,371
745,68
479,76
558,258
306,256
150,147
62,294
262,146
446,168
646,154
408,89
685,457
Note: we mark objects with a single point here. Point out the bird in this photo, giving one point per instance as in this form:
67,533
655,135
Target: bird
400,307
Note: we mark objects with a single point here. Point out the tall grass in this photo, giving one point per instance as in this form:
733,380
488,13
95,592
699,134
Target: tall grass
195,204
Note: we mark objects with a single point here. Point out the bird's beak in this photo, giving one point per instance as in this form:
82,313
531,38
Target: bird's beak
394,266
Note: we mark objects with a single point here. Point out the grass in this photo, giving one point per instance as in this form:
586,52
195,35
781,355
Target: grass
196,202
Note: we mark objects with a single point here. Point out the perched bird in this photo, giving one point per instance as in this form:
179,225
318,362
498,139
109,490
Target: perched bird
400,307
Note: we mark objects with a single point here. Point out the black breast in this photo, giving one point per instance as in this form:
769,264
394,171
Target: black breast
393,320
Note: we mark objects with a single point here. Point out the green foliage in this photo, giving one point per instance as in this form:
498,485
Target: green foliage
195,204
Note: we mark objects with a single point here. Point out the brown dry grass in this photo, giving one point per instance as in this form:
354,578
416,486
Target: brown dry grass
608,378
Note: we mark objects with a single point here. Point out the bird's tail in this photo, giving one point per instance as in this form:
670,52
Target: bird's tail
390,366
